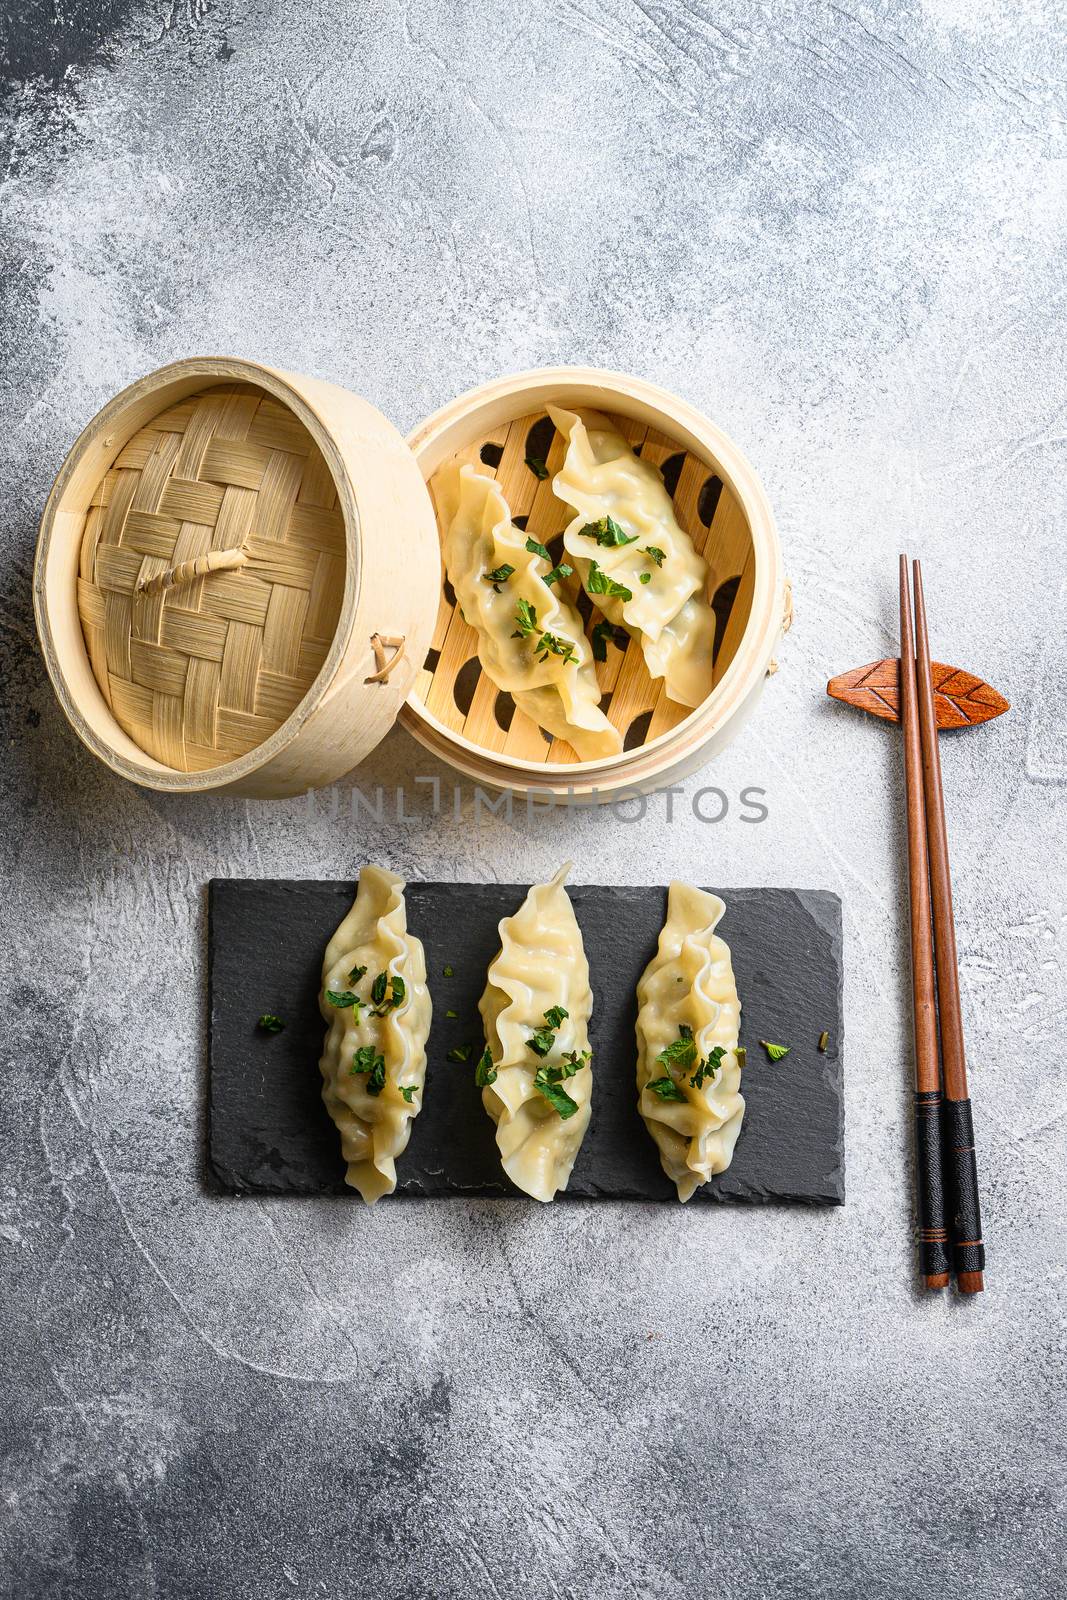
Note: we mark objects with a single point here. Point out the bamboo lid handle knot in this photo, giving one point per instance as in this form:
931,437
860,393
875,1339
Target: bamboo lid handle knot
380,643
186,571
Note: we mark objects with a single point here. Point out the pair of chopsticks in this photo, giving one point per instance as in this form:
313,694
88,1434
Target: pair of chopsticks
950,1226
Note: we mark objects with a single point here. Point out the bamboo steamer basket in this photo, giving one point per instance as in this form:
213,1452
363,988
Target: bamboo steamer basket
238,583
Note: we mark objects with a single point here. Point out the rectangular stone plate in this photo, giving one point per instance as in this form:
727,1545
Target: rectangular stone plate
269,1131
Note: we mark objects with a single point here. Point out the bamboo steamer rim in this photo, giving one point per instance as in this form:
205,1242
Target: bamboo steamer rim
602,389
100,442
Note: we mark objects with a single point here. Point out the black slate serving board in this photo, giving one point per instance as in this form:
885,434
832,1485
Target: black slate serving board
269,1131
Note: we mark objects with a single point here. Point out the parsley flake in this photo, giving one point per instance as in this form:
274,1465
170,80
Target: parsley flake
538,467
526,617
269,1023
448,972
605,633
607,533
654,553
558,574
666,1088
708,1068
599,582
742,1056
646,577
485,1072
408,1091
775,1051
537,549
460,1052
498,576
683,1051
357,973
555,1016
547,1083
368,1061
342,999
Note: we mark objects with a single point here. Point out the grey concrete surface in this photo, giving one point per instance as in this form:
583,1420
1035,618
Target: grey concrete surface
840,230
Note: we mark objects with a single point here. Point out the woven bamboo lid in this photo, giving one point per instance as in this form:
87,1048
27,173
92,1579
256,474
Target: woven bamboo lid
211,576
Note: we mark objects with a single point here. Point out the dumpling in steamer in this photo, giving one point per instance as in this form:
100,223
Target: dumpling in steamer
537,1084
377,1006
689,1017
531,642
635,562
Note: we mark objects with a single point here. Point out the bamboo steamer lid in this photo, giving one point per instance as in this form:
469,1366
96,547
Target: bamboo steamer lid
236,579
211,576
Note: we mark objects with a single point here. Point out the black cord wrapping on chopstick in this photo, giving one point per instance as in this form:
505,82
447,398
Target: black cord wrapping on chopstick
967,1247
934,1259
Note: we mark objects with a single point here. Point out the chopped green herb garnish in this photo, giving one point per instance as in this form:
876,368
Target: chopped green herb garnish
367,1060
558,574
742,1056
357,973
537,466
666,1088
537,549
451,1013
448,972
526,617
340,1000
573,1062
550,644
269,1023
599,583
683,1051
387,991
607,533
601,634
498,576
708,1068
408,1091
485,1072
547,1083
556,1016
824,1040
460,1052
775,1051
646,577
654,553
542,1041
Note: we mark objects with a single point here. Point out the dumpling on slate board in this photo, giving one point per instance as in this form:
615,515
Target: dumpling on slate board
375,1000
688,1022
535,1077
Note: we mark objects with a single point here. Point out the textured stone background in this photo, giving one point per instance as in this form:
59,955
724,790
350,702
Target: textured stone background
840,230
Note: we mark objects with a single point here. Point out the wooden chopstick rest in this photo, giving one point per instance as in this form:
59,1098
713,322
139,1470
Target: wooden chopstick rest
960,699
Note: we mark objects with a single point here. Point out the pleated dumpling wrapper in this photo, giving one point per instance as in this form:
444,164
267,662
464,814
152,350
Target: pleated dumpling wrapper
689,1017
531,641
636,564
377,1006
535,1076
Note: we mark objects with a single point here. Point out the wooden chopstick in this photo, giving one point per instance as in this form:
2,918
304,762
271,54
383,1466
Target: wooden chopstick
934,1258
968,1250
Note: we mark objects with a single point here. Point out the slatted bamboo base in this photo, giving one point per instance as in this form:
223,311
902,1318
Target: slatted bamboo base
461,697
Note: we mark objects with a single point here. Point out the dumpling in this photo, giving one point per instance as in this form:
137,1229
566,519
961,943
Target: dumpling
636,564
536,1081
688,1073
376,1003
531,641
